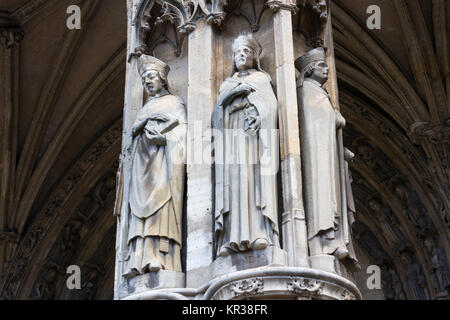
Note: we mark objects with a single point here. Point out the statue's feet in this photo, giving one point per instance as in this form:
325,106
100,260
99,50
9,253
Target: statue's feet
341,253
260,244
131,273
224,251
155,267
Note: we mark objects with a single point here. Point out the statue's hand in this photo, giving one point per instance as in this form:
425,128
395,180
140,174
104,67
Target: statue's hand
156,138
340,120
243,89
252,121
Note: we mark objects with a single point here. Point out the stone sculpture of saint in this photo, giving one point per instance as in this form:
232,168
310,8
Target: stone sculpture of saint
319,123
414,276
246,155
440,275
386,222
157,175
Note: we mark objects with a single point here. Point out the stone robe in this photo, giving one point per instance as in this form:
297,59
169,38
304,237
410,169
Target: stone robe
318,122
246,166
156,190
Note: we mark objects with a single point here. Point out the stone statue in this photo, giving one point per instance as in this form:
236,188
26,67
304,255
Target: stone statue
392,284
440,273
387,222
351,261
414,276
46,286
245,122
413,209
319,123
157,175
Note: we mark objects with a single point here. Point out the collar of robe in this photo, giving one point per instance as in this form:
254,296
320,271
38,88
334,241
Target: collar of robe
316,83
245,73
160,94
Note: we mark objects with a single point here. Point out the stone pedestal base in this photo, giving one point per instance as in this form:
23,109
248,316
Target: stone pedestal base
263,283
282,283
271,256
323,262
162,279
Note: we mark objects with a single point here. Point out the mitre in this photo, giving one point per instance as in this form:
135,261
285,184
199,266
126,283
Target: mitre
248,41
147,63
314,55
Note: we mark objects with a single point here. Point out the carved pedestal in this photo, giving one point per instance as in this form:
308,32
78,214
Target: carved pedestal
155,281
282,283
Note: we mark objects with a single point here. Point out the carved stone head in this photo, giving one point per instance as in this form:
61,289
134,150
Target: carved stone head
374,204
153,73
246,52
429,244
313,65
405,258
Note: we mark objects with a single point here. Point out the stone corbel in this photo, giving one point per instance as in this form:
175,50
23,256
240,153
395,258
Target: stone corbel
276,5
313,20
10,33
320,7
10,37
217,15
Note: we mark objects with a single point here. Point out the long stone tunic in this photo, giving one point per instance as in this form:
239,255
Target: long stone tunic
318,139
246,190
156,190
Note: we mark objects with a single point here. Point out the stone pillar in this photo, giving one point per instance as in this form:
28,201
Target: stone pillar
331,86
293,218
200,104
10,37
134,94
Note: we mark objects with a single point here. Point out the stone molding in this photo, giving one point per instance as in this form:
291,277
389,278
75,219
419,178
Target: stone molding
47,216
285,282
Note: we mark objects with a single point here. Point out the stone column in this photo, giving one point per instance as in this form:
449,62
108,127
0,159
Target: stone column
134,94
10,37
331,86
293,218
200,104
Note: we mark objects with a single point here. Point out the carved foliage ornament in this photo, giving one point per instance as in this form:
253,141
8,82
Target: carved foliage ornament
347,295
304,286
248,287
183,13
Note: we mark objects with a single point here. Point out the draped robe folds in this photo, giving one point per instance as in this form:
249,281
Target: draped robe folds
245,166
156,190
318,139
